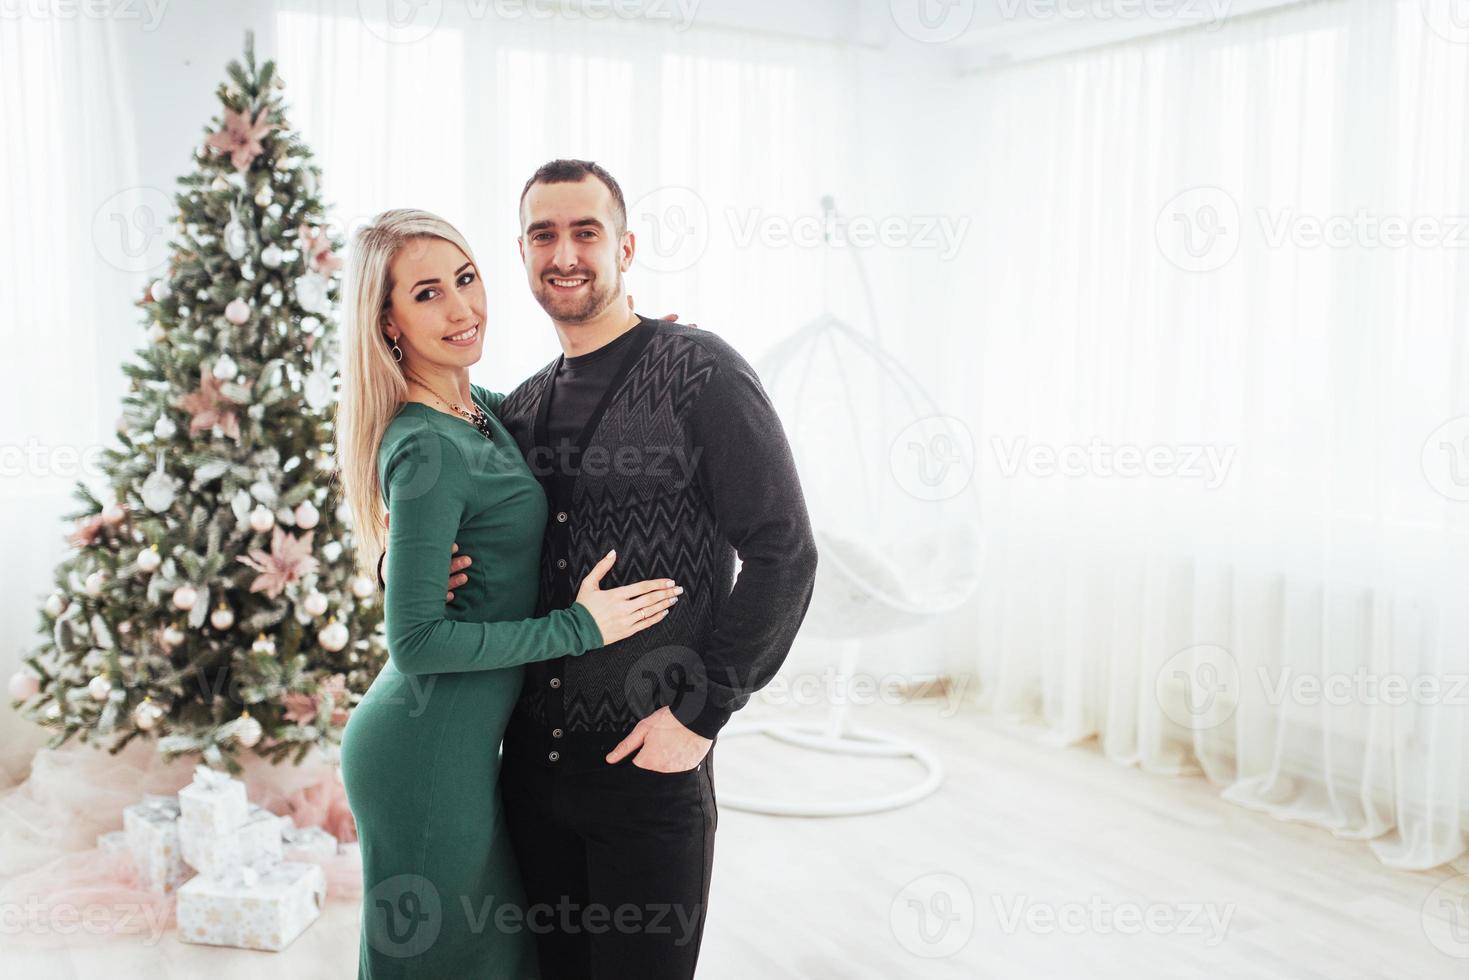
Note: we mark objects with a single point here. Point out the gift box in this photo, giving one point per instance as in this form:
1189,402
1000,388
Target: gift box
213,802
264,908
256,841
152,829
312,842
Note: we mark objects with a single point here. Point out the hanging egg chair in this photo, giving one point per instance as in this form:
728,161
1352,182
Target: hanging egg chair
886,477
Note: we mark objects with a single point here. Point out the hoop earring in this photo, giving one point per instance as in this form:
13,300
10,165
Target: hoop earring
397,353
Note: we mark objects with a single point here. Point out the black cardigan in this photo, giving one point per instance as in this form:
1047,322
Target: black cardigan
683,465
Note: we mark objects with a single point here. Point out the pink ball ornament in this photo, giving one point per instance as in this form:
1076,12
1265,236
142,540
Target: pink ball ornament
24,684
237,312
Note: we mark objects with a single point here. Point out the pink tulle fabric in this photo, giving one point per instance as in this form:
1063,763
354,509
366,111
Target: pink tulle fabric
54,879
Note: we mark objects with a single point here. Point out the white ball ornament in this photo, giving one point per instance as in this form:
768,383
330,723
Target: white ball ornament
156,333
306,515
315,604
52,712
147,715
164,428
222,618
225,368
149,559
99,688
219,184
247,731
95,583
184,597
261,520
24,684
55,604
113,514
271,256
362,586
160,290
333,637
237,311
262,196
172,636
263,645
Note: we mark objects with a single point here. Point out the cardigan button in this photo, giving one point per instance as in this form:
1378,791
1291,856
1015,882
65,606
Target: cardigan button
555,733
561,563
561,517
555,682
554,756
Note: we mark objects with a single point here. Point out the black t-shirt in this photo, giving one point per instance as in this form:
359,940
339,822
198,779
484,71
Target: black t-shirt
577,389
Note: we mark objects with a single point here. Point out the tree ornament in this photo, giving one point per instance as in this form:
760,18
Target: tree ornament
261,520
262,196
237,312
99,688
113,514
246,730
271,256
159,489
314,604
24,684
149,559
164,428
172,636
55,604
263,646
333,636
362,586
184,597
306,515
156,333
160,290
222,618
95,583
225,368
147,715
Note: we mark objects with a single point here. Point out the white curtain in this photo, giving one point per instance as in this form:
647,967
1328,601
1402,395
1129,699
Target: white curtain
705,129
80,239
1223,461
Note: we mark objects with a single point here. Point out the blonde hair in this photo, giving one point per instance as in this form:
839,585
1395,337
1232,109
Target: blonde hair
373,388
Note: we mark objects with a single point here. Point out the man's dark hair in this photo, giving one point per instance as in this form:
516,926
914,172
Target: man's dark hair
572,171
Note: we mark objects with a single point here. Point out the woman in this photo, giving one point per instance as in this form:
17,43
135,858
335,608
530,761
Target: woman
420,755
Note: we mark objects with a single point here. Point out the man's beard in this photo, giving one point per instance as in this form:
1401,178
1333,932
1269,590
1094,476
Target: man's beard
577,309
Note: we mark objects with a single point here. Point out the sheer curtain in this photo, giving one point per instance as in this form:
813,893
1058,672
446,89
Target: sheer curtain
80,237
1214,355
707,130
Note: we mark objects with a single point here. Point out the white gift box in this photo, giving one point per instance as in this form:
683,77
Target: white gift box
256,841
264,908
309,841
213,802
152,829
112,842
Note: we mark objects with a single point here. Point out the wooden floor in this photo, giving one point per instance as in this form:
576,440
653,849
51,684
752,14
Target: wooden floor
1031,862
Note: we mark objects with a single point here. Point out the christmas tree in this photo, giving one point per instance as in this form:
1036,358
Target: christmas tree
211,598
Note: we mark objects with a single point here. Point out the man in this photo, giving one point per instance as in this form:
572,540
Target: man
658,441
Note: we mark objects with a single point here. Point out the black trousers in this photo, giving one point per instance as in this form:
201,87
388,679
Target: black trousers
616,859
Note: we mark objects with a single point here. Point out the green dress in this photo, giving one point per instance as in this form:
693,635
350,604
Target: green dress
420,755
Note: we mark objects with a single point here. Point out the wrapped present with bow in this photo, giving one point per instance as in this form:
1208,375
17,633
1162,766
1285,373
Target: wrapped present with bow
252,908
311,842
256,841
213,803
152,829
